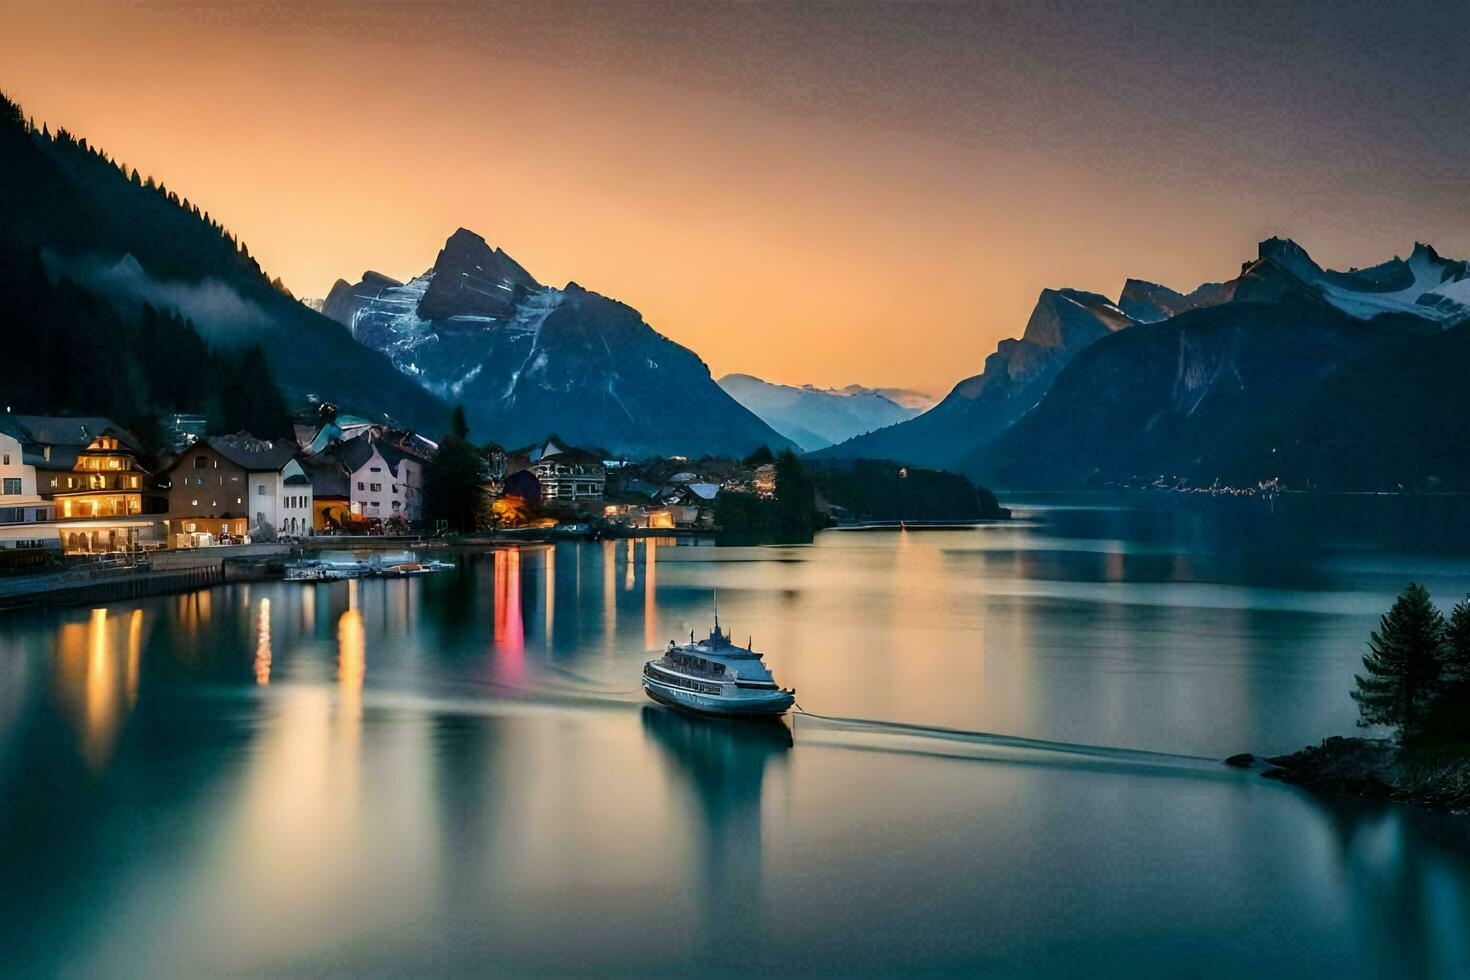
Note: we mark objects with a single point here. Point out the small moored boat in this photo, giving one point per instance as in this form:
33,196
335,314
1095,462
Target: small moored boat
715,677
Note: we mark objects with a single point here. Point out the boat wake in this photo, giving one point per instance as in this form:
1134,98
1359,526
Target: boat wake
807,728
935,741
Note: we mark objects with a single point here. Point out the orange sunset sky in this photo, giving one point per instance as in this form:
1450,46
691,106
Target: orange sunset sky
815,193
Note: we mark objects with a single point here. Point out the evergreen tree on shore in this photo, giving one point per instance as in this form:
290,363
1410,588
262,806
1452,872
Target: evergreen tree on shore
1448,721
795,496
1404,664
454,485
1457,643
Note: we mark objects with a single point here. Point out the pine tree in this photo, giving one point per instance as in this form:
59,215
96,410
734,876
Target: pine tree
1448,719
454,485
1457,643
461,427
1404,664
796,499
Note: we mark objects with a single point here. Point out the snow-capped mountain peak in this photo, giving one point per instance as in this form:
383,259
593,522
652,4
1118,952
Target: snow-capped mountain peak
526,359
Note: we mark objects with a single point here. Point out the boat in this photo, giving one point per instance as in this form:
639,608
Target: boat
715,677
319,570
426,567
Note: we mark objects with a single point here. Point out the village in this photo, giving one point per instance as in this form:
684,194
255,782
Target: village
86,488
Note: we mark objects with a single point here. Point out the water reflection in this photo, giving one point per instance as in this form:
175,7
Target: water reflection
509,634
650,594
263,645
609,592
471,830
548,574
96,682
351,660
722,764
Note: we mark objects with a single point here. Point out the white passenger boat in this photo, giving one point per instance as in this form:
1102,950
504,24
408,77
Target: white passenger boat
715,677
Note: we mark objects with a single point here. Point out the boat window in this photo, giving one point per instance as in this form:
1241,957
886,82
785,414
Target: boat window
697,665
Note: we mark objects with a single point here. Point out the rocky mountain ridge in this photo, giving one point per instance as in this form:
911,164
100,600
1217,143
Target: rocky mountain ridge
525,359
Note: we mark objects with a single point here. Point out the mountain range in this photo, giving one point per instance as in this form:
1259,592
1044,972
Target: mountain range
815,418
1244,380
1322,379
1285,369
524,359
1015,376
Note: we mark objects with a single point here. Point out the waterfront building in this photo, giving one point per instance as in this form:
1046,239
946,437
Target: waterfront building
223,488
26,518
384,480
568,474
102,496
331,502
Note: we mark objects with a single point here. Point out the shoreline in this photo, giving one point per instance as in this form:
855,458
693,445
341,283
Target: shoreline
174,572
1376,769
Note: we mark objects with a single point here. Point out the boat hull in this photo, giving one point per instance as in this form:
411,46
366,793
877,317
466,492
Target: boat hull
758,706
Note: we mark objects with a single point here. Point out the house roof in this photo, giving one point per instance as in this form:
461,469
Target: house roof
248,452
571,456
68,437
355,452
58,430
704,491
328,477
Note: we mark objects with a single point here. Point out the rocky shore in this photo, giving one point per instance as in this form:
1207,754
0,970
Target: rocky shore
1377,769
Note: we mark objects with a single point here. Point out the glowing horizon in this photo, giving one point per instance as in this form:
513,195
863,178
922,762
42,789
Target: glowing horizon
826,196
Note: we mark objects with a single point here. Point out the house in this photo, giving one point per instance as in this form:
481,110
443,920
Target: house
331,502
230,486
384,481
91,471
566,474
25,516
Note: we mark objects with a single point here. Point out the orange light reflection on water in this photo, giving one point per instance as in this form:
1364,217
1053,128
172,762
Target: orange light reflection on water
548,569
509,630
650,593
263,645
96,682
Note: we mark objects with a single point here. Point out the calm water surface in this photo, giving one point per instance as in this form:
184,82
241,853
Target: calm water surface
456,774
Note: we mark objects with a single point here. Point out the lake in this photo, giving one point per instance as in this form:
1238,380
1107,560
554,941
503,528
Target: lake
1010,763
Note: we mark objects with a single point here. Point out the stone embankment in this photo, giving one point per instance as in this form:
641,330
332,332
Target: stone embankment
164,572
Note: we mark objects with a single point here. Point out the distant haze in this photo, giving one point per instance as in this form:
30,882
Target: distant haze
813,194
